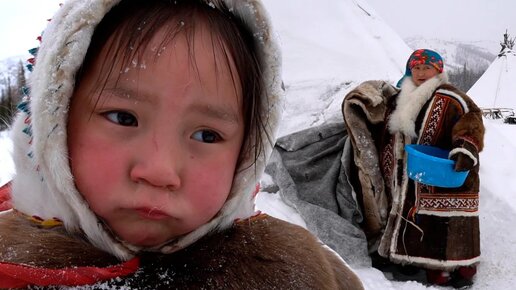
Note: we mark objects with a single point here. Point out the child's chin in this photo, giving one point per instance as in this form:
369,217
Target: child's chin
146,242
144,238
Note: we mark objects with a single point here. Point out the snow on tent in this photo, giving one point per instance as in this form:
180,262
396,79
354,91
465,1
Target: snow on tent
329,47
495,91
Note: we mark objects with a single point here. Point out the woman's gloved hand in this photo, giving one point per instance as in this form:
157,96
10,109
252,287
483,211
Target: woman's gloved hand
462,162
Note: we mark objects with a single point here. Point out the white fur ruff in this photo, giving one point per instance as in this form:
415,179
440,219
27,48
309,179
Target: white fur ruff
465,152
409,103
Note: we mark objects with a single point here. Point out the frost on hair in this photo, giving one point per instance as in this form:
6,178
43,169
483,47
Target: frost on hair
126,31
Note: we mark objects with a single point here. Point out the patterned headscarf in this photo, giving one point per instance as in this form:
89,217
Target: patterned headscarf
424,56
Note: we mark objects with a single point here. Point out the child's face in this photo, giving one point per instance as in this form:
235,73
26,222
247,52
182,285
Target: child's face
156,155
422,72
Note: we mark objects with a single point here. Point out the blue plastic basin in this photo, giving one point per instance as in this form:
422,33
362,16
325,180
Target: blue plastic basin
430,165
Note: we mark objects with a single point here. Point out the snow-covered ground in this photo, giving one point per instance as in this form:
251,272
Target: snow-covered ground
497,216
330,46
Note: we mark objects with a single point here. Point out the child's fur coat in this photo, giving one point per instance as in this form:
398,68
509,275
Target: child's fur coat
257,253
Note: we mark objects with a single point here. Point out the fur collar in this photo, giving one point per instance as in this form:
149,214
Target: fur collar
44,185
409,103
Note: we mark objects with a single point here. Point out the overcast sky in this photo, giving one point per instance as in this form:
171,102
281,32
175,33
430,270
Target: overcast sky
21,21
449,19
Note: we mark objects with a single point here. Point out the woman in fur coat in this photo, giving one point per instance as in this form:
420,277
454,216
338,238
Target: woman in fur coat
408,222
138,151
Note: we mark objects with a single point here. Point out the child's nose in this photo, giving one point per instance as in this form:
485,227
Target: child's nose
158,166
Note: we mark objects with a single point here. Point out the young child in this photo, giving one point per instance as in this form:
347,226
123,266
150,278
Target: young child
137,154
408,222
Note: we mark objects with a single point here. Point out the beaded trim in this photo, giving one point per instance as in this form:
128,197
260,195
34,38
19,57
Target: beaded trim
48,223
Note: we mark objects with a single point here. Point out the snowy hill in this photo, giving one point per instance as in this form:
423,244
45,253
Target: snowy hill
328,48
476,55
496,88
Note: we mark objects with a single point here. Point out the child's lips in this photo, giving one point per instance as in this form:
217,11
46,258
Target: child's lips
151,213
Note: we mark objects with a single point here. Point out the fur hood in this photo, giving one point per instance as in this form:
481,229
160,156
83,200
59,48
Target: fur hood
44,185
410,101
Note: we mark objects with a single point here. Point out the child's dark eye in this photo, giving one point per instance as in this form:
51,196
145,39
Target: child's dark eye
206,136
122,118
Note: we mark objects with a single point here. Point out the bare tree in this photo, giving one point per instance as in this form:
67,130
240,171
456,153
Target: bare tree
11,95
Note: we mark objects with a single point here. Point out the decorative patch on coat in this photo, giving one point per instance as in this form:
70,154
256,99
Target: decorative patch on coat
448,204
40,222
460,100
387,159
434,120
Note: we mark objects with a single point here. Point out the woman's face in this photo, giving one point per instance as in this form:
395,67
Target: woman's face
423,72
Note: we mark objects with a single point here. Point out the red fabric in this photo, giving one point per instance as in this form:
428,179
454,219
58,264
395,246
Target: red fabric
437,277
5,197
467,272
18,276
256,190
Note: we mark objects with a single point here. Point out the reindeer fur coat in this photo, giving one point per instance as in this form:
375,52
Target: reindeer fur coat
406,221
257,253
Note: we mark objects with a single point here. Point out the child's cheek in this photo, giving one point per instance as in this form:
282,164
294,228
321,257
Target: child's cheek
211,188
98,172
209,201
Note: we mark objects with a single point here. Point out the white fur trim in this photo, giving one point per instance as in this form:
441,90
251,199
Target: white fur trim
456,97
465,152
44,184
447,264
5,212
399,191
399,210
409,103
455,213
425,121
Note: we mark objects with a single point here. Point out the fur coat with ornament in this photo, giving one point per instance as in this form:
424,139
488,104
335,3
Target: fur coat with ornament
406,221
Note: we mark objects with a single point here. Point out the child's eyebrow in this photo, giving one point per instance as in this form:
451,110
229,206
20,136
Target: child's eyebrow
126,94
224,113
220,112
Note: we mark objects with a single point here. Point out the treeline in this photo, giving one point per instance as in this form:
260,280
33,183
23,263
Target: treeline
465,77
11,84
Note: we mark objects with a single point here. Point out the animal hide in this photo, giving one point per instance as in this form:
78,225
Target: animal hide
257,253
